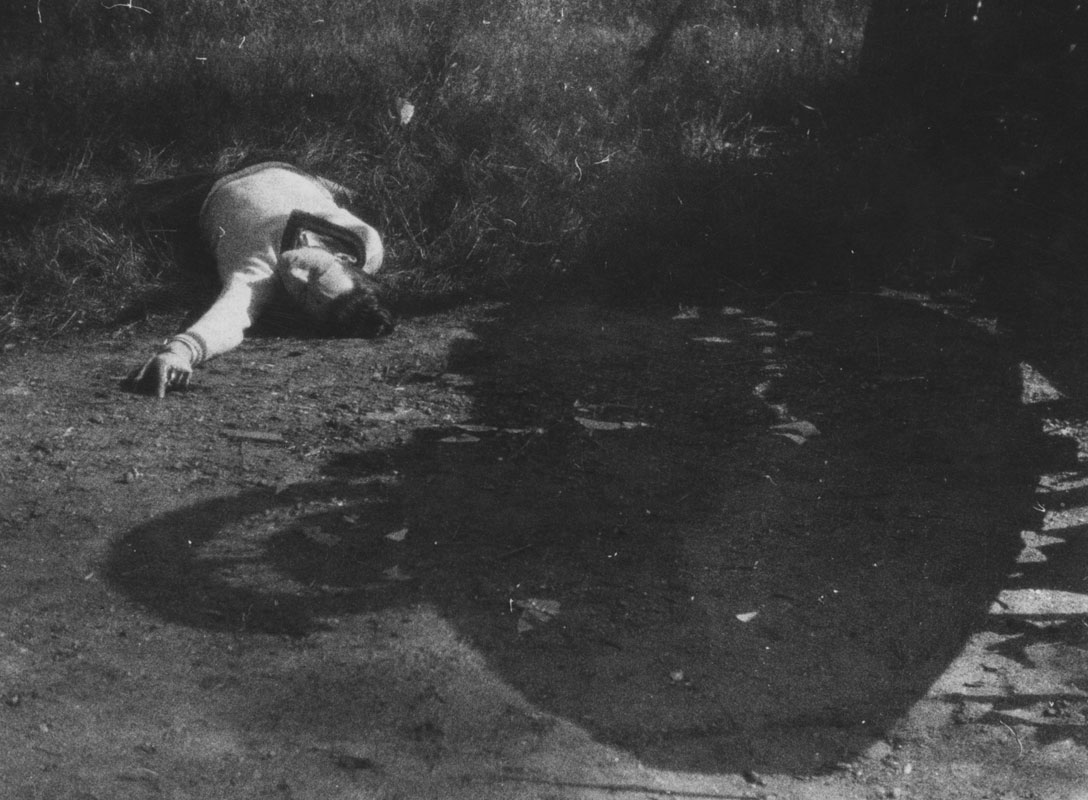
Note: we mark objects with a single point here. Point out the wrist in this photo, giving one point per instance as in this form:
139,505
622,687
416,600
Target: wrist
186,345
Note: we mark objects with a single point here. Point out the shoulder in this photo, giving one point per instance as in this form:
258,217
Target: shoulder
266,176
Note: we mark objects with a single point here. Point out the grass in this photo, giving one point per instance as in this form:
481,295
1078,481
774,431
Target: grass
533,149
554,145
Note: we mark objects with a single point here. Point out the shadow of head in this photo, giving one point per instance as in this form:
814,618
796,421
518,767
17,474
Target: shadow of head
263,562
629,544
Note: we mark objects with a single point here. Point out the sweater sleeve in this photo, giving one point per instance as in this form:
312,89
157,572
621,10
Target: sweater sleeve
223,326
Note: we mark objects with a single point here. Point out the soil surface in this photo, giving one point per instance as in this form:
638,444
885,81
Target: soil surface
827,548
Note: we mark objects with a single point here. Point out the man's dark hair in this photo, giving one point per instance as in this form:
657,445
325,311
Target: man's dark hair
360,313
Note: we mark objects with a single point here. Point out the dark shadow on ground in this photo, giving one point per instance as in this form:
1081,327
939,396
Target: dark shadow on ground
728,599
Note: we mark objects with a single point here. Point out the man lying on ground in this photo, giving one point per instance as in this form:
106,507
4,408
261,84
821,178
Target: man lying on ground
273,227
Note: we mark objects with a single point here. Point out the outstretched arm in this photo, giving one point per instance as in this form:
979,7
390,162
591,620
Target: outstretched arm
220,329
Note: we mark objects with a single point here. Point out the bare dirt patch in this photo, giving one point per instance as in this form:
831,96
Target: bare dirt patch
546,551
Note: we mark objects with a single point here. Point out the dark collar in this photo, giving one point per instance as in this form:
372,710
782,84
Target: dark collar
300,222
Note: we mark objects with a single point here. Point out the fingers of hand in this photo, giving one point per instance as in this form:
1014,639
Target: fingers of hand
161,374
174,378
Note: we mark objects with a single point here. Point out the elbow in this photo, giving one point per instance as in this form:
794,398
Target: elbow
375,250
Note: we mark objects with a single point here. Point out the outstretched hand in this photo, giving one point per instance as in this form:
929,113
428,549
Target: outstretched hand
167,369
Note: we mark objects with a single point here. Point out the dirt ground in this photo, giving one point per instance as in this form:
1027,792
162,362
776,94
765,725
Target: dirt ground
551,551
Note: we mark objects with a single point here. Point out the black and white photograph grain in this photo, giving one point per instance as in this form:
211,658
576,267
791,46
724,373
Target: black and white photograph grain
543,400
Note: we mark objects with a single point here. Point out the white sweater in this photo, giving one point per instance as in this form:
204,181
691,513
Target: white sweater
243,220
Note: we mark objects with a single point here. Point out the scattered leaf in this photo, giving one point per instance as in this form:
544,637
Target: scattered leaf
793,437
397,536
394,573
754,778
799,427
889,378
747,616
457,379
351,761
318,536
541,610
464,438
140,775
598,425
602,425
761,322
1035,387
687,313
535,610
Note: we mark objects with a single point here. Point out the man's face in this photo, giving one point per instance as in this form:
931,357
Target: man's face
313,278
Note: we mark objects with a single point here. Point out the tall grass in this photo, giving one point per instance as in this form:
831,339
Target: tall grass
548,146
